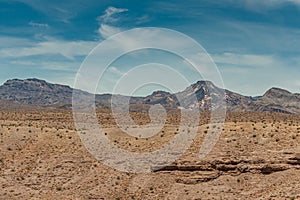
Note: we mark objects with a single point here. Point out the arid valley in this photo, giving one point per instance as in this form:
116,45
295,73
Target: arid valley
256,157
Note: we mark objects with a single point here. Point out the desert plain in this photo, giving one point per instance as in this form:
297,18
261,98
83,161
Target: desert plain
42,157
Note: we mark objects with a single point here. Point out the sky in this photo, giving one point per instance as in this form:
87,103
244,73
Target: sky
254,44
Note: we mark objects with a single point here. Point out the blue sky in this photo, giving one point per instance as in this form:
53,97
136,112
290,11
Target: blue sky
254,43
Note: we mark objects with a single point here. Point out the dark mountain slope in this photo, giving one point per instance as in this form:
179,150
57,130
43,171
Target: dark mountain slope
203,94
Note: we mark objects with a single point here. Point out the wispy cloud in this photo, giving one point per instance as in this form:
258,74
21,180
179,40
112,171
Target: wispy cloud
108,20
40,25
7,42
115,71
259,5
68,49
142,19
110,14
251,40
48,65
250,60
273,2
21,62
106,30
253,74
62,11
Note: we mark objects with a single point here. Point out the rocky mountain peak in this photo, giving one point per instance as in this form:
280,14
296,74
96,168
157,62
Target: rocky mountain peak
35,91
202,94
159,93
276,92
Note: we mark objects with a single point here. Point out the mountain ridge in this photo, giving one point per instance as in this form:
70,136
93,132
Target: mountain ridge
35,91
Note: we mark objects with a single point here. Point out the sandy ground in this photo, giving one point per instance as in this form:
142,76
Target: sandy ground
256,157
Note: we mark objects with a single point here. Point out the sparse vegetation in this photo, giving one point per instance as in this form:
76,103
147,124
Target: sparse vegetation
46,154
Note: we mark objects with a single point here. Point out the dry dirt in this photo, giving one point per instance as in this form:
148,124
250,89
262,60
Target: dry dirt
256,157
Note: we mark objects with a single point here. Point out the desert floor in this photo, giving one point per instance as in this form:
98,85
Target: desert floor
256,157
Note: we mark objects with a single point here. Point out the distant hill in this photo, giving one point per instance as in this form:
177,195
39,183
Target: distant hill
35,91
203,94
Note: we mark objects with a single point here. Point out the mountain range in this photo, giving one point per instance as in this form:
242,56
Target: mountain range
43,94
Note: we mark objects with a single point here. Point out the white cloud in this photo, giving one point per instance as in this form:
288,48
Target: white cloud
109,15
145,37
143,19
253,74
246,60
18,62
34,24
68,49
60,10
106,30
13,42
49,65
276,2
116,71
258,5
